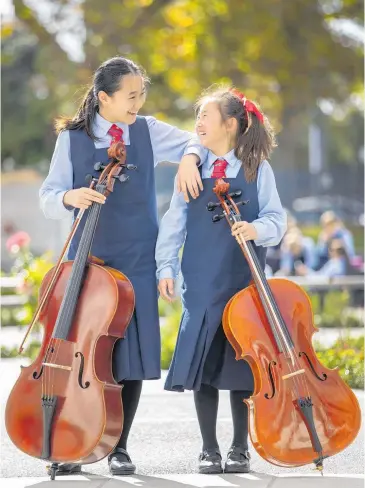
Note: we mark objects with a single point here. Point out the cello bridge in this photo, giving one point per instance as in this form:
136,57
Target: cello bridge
57,366
295,373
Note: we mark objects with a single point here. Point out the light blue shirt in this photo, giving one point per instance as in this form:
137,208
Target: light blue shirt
348,241
270,224
333,267
168,144
309,253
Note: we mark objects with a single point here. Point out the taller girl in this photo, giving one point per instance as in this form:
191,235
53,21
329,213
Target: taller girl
127,229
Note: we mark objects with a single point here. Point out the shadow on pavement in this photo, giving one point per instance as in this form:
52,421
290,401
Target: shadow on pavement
252,480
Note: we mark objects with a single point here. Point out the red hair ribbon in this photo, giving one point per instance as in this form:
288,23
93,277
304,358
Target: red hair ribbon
249,106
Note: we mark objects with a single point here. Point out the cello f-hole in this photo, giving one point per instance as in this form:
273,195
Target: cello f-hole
324,376
273,390
37,375
81,371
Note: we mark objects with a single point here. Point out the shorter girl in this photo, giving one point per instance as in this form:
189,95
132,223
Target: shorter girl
239,139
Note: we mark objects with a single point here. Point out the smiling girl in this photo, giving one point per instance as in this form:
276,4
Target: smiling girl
239,139
127,228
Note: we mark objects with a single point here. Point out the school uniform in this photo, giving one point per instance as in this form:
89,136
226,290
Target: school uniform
127,229
213,270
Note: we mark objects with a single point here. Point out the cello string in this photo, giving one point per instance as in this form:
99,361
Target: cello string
276,323
78,273
263,295
55,344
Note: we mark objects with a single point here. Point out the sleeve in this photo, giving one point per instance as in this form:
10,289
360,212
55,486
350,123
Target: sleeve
170,143
58,181
333,267
171,237
348,241
310,252
286,260
271,223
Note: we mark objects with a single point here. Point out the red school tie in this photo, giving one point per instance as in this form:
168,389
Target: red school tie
220,166
116,133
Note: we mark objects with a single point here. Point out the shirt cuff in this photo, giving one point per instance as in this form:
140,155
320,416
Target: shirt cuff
262,238
66,209
198,151
166,273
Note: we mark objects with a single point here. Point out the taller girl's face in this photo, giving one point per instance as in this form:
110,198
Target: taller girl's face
124,104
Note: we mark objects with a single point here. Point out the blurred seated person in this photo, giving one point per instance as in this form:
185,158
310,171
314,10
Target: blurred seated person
273,256
333,228
296,248
338,263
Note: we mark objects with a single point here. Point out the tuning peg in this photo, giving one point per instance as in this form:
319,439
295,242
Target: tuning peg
211,206
131,166
88,179
235,194
243,202
99,166
122,178
217,218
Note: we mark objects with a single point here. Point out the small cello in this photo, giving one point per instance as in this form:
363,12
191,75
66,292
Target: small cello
66,405
300,412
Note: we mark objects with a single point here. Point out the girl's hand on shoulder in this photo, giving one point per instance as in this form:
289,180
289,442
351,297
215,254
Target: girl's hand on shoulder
82,198
166,289
245,230
188,177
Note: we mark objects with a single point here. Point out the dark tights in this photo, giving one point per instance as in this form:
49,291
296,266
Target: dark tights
131,393
206,404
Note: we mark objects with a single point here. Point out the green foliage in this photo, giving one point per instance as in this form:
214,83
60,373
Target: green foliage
313,231
287,58
30,352
32,269
347,354
169,330
336,311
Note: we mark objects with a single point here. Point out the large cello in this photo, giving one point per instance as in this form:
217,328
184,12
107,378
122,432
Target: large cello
300,412
66,405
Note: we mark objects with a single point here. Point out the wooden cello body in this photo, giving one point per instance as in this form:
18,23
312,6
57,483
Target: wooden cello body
300,412
66,405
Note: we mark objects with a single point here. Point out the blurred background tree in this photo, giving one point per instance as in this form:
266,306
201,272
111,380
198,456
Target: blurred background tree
296,58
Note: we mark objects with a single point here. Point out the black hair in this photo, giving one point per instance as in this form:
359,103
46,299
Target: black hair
255,141
106,78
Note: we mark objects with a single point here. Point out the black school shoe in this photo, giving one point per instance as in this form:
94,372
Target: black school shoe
210,462
238,460
64,469
120,464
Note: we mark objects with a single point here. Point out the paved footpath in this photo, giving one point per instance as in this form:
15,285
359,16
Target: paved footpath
165,444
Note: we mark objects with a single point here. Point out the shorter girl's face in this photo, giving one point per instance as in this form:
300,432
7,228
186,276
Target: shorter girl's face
124,104
209,125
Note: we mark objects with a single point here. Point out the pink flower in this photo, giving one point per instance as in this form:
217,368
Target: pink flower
17,241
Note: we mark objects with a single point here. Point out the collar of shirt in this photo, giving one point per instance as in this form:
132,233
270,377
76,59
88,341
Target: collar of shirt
229,157
101,127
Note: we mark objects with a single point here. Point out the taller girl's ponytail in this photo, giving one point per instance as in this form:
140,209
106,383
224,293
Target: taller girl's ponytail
107,78
84,116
